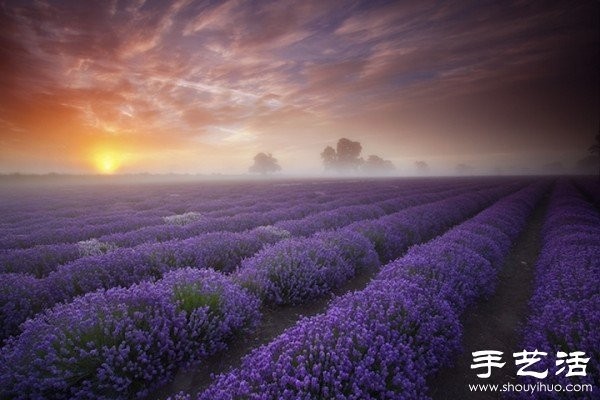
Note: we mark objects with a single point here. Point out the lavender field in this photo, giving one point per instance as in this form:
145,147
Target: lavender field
299,289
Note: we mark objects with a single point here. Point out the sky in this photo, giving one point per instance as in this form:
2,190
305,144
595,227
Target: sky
202,86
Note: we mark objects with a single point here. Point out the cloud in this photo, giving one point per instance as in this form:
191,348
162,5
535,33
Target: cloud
177,72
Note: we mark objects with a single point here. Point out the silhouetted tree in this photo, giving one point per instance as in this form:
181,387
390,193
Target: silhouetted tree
329,157
264,163
377,165
422,166
346,157
348,154
595,150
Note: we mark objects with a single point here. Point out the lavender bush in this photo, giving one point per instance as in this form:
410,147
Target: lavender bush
565,306
296,270
42,259
120,343
38,261
382,342
359,349
225,250
87,214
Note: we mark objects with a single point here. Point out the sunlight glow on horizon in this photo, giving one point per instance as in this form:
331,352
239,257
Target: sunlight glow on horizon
107,162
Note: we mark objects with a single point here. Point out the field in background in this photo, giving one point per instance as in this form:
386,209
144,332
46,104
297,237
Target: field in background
139,290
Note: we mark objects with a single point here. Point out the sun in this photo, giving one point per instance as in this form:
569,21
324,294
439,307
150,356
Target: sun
107,162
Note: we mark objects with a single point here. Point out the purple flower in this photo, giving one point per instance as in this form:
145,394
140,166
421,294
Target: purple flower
120,343
565,306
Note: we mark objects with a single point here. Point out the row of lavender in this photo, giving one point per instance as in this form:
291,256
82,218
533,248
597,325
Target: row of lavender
109,344
120,343
75,209
46,229
22,296
566,300
295,270
104,203
42,259
293,209
383,342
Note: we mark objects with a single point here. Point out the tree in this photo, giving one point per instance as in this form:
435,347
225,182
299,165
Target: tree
329,157
345,158
595,150
422,166
264,163
348,154
377,165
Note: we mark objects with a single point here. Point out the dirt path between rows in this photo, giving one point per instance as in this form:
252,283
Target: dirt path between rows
494,324
273,323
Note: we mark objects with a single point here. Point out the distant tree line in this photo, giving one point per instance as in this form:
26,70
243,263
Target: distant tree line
264,163
345,158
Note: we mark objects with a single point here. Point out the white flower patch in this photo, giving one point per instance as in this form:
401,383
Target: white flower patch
276,231
182,219
94,247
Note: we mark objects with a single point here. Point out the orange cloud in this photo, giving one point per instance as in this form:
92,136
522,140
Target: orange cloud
164,84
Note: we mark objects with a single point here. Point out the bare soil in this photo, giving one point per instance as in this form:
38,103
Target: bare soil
495,323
